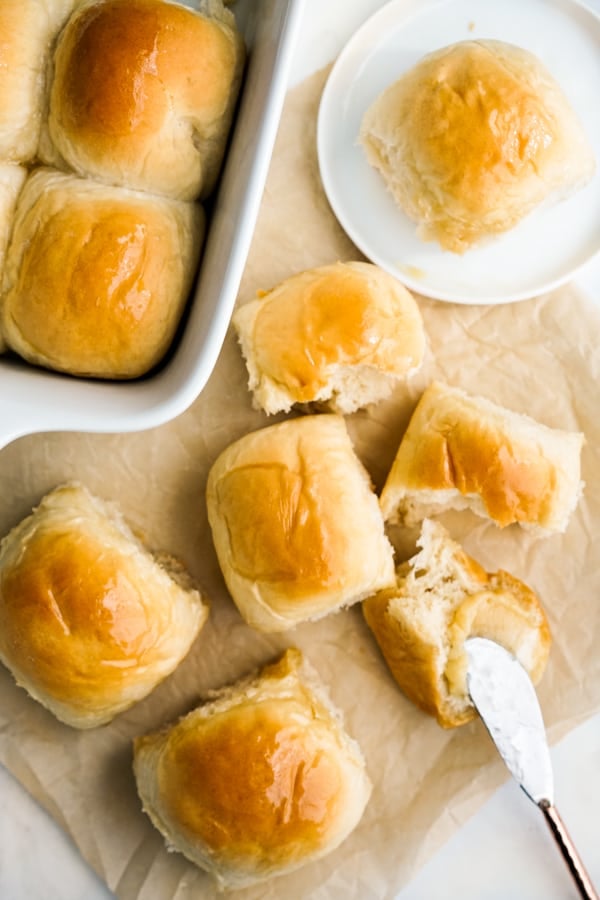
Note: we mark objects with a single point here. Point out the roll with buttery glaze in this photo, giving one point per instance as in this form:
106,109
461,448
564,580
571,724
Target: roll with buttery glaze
344,334
296,525
442,597
143,94
472,139
465,452
96,277
258,781
27,32
90,620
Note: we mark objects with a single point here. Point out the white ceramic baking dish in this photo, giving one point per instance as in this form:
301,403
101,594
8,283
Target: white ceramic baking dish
33,400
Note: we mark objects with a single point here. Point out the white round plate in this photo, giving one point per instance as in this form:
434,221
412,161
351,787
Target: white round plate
546,248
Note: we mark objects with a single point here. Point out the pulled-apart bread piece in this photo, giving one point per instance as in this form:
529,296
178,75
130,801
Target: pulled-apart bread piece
259,780
296,524
28,29
465,452
96,277
473,138
442,597
344,334
90,620
143,94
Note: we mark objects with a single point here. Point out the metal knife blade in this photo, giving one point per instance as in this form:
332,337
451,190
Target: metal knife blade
506,701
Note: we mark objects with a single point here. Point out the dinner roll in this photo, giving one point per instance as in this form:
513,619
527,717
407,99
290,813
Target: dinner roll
11,181
27,32
12,178
96,277
442,597
143,94
344,334
90,620
472,139
296,525
259,780
465,452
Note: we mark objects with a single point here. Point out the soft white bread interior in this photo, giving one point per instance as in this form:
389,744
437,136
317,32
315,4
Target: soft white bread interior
96,277
344,335
90,620
28,29
473,138
442,598
143,94
466,452
296,524
257,782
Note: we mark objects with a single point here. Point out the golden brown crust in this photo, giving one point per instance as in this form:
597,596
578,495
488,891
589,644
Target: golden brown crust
303,338
143,94
232,801
302,554
96,277
442,598
472,138
466,456
464,451
412,661
90,622
259,781
296,525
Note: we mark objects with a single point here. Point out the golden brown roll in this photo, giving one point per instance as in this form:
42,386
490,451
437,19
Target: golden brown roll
27,32
442,597
258,781
465,452
12,178
344,334
143,94
295,522
96,277
90,620
472,139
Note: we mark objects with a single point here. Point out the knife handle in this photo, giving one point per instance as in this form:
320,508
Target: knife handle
569,853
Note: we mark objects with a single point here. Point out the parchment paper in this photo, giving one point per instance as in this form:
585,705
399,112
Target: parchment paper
540,356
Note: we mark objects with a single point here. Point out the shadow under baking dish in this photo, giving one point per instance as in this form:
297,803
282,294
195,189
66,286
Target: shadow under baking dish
36,400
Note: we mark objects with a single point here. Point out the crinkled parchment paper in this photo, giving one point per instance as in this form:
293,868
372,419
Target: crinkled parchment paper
540,356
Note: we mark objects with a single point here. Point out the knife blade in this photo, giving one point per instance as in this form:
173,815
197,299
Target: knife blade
507,703
505,699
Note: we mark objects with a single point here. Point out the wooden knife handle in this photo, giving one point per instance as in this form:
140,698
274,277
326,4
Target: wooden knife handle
568,851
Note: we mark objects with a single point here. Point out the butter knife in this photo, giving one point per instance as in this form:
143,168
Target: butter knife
507,703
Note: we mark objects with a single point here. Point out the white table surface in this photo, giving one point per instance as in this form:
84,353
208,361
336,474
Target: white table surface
505,851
